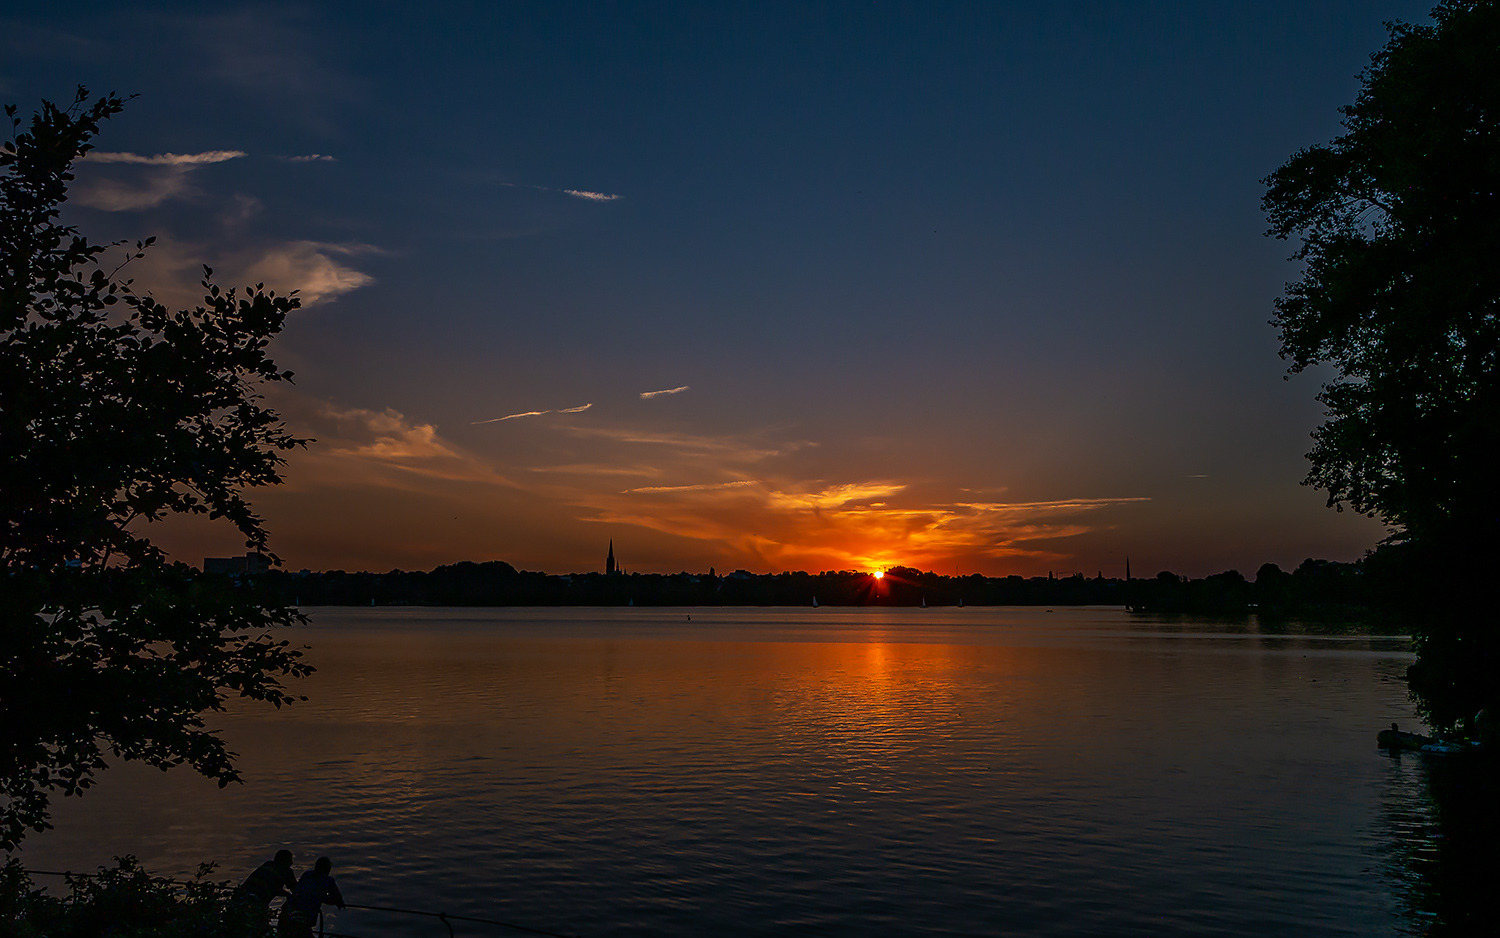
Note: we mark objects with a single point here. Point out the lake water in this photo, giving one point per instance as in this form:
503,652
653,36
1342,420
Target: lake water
724,772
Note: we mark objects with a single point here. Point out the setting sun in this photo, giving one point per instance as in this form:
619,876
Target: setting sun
879,574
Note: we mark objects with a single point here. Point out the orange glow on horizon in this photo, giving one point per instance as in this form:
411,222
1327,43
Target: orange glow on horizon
383,490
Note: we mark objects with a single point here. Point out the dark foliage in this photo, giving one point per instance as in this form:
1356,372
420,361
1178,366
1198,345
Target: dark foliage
499,584
1317,588
116,412
1400,295
122,901
1453,853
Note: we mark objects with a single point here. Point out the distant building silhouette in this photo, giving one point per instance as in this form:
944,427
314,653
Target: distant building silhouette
609,564
250,563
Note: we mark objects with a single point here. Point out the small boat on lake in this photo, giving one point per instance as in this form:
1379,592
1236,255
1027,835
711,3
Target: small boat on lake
1395,739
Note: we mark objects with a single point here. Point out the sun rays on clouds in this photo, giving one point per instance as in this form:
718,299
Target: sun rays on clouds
683,498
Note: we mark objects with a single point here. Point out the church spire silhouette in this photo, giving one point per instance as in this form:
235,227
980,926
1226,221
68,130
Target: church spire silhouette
609,563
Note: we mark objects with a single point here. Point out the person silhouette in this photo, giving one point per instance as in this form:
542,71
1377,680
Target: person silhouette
251,899
299,913
271,879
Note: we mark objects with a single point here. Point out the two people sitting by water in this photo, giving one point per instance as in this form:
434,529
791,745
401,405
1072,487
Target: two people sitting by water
305,897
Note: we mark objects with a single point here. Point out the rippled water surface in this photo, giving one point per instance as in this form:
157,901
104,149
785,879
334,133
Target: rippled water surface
817,772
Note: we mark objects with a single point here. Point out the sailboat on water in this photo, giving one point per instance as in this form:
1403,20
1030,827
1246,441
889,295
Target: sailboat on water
815,602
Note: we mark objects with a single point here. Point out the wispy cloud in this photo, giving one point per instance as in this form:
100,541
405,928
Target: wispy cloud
311,158
533,413
1072,504
837,496
114,195
385,448
244,208
166,176
591,196
647,395
278,55
587,195
310,267
172,269
700,487
721,448
599,470
167,159
526,413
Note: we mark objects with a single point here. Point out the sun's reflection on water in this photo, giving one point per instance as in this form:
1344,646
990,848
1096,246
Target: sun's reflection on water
637,774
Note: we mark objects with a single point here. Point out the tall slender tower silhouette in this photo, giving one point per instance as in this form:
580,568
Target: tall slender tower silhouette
609,564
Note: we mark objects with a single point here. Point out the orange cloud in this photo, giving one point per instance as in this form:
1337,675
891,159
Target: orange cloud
396,440
837,496
382,449
724,500
856,525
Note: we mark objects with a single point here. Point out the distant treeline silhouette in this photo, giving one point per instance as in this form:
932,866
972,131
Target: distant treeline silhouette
1315,587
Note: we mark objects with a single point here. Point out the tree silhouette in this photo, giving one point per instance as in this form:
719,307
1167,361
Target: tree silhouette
1400,294
116,412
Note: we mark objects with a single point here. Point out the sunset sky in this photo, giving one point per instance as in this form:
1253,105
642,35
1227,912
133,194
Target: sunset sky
976,287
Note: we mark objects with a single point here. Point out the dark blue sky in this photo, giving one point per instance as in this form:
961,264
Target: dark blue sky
975,288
